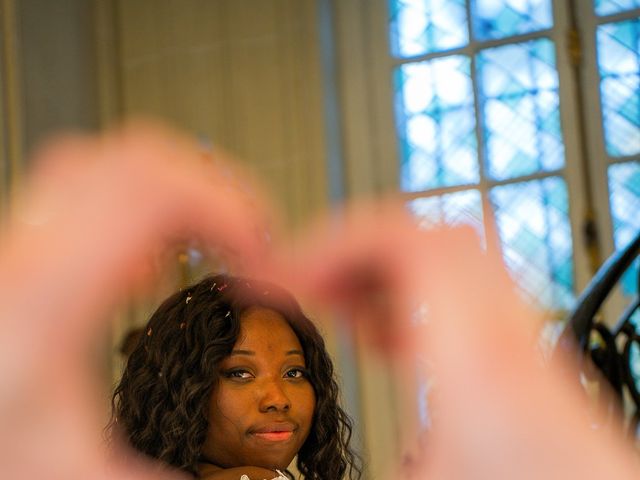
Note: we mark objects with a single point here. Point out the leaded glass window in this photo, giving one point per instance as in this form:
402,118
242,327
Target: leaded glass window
608,7
532,223
618,63
478,119
424,26
618,46
506,18
518,90
435,104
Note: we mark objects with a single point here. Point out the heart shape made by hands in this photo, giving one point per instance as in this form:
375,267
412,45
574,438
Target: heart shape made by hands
97,209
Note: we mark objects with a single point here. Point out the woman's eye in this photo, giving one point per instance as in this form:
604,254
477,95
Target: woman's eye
296,373
241,374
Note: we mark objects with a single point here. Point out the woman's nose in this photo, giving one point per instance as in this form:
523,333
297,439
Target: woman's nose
274,397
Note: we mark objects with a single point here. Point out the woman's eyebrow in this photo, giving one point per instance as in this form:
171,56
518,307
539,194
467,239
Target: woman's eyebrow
242,352
252,353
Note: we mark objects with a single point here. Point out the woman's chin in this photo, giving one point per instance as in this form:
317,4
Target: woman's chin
274,463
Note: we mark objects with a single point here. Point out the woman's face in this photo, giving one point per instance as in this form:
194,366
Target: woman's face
262,408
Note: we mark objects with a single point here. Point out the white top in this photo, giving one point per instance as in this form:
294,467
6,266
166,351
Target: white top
281,476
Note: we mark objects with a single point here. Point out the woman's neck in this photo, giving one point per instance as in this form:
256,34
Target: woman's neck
206,468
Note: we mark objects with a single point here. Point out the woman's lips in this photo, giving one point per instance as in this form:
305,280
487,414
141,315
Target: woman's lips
274,432
274,436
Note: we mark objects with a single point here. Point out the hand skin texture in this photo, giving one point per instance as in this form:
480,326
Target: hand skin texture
499,412
97,209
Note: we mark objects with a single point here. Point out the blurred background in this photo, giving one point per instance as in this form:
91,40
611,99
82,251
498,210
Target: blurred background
520,118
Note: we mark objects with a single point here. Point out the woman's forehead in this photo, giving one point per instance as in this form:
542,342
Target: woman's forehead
265,327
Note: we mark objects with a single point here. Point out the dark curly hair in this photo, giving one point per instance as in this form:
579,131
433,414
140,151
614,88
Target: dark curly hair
161,403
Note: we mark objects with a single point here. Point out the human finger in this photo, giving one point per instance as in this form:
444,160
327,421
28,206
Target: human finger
494,392
107,203
360,261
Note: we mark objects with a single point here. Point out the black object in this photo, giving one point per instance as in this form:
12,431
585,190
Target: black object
612,356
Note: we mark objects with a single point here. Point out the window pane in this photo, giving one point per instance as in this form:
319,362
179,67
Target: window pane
425,26
504,18
452,209
533,224
520,109
619,66
436,124
607,7
624,194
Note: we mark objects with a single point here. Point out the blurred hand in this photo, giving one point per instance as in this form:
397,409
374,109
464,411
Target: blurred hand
97,209
499,413
85,231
